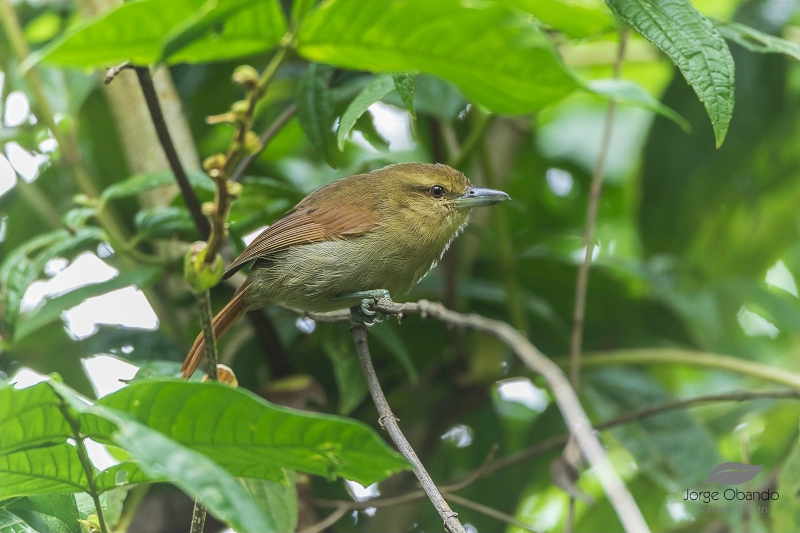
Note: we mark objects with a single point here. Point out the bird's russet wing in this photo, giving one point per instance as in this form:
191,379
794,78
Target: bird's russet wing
305,225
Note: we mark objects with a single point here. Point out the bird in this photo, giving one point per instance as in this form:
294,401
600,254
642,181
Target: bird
370,235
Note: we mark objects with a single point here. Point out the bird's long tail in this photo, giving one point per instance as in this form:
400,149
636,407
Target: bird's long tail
226,318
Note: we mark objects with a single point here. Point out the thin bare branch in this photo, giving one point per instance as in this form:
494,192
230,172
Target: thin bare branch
488,511
164,137
388,422
574,415
329,520
582,282
113,71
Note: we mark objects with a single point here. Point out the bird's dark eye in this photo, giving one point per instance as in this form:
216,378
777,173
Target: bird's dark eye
437,191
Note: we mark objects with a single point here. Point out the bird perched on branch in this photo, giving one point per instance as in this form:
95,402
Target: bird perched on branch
361,237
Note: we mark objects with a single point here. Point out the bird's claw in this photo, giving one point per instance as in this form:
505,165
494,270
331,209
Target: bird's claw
364,313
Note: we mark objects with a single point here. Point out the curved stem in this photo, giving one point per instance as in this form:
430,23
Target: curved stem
582,281
388,422
695,359
86,463
164,137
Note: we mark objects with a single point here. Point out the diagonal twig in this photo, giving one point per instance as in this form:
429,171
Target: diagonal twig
388,422
164,137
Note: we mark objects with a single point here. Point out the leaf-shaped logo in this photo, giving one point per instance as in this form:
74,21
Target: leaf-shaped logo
733,473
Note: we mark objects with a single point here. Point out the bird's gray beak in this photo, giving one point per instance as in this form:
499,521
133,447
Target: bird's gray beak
477,196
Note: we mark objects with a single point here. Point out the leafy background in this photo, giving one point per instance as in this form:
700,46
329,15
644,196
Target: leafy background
696,256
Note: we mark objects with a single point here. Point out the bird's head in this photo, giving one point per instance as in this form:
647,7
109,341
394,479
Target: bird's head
437,197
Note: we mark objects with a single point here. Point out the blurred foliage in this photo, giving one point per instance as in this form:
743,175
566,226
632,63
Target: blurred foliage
696,248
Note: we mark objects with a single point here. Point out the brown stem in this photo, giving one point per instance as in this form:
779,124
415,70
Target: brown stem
164,137
329,520
388,422
488,511
198,518
582,282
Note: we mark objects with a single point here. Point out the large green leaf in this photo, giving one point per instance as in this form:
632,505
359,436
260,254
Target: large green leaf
142,276
377,89
139,31
251,437
152,180
250,31
36,457
279,500
496,55
757,41
23,265
315,107
576,18
51,513
52,469
11,523
691,42
211,13
629,93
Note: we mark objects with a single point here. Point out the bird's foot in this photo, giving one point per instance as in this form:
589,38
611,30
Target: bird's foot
365,312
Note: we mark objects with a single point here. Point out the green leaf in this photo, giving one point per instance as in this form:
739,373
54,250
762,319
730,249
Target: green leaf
239,431
377,89
315,107
159,457
786,510
54,469
163,221
43,28
346,369
496,55
53,513
152,180
11,523
35,457
195,474
30,417
756,41
576,18
388,335
253,30
671,448
142,277
301,8
404,84
210,14
693,45
278,500
630,93
24,264
136,32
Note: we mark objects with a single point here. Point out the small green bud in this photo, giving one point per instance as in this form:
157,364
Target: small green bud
208,208
234,188
246,76
251,142
200,275
91,524
214,162
240,108
85,201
